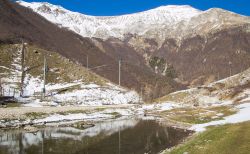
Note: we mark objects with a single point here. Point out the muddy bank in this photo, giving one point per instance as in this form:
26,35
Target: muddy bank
20,112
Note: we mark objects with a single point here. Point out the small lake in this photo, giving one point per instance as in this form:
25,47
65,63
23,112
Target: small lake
122,136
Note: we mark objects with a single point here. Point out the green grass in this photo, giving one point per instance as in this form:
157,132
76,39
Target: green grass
226,139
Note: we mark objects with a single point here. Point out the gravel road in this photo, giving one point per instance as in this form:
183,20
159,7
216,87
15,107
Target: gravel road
19,112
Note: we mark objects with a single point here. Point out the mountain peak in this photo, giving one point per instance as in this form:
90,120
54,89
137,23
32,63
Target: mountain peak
176,11
169,7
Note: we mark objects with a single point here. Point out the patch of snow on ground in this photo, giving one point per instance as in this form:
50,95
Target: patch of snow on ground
70,117
97,95
85,94
159,107
106,114
241,116
37,103
32,85
166,106
122,112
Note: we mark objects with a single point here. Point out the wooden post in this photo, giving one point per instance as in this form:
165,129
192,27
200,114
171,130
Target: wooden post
44,76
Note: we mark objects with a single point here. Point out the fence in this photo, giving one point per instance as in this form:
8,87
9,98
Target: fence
9,92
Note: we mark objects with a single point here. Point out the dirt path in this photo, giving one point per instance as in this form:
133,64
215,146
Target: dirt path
19,112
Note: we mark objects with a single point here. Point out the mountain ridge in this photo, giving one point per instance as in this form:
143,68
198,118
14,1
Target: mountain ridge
164,22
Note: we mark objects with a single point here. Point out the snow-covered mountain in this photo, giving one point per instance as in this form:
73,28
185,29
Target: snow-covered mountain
114,26
160,23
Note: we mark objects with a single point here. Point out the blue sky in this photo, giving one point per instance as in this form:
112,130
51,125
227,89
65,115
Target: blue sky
118,7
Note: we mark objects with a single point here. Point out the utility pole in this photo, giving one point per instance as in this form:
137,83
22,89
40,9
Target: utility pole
230,68
44,75
22,69
87,62
141,97
120,72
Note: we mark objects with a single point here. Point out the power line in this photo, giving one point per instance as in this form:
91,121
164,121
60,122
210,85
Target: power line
120,72
98,67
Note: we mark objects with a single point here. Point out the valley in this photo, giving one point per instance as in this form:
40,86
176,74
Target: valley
173,79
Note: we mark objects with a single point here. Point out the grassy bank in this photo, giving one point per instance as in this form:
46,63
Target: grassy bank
226,139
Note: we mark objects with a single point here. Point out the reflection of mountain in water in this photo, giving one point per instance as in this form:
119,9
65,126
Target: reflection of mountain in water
13,140
135,136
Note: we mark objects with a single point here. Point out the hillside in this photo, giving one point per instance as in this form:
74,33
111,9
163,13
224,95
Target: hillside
67,83
232,90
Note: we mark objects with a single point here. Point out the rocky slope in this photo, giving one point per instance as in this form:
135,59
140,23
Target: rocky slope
177,41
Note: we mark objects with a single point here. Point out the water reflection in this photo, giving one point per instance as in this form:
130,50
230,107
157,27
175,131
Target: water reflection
125,136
